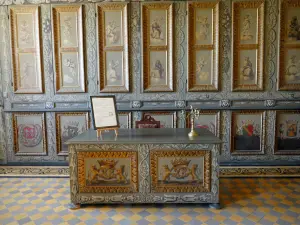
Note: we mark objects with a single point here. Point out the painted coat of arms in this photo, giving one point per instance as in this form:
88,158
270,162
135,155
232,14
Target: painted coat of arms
181,172
30,135
107,173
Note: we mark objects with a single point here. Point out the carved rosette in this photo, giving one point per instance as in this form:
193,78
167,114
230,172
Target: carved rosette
180,104
225,103
136,104
49,105
270,103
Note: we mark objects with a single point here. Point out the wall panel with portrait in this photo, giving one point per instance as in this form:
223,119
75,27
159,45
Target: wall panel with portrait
247,132
289,56
287,140
68,25
113,47
29,134
248,45
69,125
203,46
157,47
26,49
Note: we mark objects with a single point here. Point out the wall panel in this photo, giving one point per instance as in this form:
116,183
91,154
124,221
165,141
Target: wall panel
136,101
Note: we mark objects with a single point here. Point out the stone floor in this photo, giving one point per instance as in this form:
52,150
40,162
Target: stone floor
245,201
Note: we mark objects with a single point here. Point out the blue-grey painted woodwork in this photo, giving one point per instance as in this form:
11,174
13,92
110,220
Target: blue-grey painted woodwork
136,101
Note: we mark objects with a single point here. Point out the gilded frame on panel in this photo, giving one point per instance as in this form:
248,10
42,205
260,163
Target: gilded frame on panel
33,49
159,113
284,47
122,47
76,49
215,113
248,72
193,47
167,188
131,188
166,48
129,116
16,134
262,115
281,130
58,128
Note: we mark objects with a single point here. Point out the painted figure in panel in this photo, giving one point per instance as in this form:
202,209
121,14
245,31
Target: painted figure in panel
70,76
246,28
156,32
294,28
288,136
292,72
180,172
158,68
247,73
107,172
203,75
203,28
112,32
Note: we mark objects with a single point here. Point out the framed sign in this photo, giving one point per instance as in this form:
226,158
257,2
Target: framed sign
247,132
289,55
157,41
203,46
113,47
26,49
104,112
248,45
287,140
68,35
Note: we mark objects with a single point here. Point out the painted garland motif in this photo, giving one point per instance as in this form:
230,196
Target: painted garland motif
30,135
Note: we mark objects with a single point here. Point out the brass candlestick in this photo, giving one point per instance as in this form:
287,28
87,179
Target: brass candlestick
194,113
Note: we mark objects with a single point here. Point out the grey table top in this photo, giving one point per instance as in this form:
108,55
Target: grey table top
147,136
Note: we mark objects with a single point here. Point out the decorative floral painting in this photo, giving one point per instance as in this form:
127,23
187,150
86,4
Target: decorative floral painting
208,120
29,134
69,48
157,31
68,126
113,47
289,55
247,132
166,119
107,172
180,171
248,46
203,47
287,133
26,50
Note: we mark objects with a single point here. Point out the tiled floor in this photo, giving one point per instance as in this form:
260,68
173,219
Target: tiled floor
245,201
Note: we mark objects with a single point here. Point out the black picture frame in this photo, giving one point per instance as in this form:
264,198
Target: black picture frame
93,113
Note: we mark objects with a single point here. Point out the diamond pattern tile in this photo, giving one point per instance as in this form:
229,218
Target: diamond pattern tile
246,201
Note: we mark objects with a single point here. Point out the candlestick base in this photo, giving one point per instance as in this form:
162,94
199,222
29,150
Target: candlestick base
193,133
